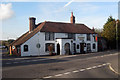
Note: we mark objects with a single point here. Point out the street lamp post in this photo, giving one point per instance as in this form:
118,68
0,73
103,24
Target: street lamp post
117,33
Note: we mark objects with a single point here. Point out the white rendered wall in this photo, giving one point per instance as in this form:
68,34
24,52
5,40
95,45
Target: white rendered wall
40,38
32,42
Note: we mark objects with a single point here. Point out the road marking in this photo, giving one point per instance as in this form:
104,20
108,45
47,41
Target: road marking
94,67
99,65
59,75
75,71
89,68
103,64
47,77
67,73
82,69
113,69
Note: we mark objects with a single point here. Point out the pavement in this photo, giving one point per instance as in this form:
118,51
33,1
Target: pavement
92,65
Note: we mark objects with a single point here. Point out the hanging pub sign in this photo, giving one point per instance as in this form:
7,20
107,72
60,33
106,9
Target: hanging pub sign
81,38
96,38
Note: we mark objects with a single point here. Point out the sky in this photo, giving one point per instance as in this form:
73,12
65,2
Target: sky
14,16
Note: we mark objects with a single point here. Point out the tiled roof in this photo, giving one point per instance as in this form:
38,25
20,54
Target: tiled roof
56,27
59,27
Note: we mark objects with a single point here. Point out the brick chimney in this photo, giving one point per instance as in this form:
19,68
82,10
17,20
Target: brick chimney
72,18
31,23
93,29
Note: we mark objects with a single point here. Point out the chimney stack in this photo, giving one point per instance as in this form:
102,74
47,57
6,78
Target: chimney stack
31,23
72,18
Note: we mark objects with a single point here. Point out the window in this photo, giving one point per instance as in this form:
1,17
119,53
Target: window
94,46
88,47
48,44
49,36
88,37
71,35
77,46
25,48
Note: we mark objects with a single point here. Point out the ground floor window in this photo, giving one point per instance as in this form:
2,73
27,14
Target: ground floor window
88,47
47,47
94,46
25,48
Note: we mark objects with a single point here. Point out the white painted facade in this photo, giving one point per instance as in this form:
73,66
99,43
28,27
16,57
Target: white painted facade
40,38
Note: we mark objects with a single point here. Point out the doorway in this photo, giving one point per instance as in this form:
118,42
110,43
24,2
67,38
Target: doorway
81,47
67,48
58,49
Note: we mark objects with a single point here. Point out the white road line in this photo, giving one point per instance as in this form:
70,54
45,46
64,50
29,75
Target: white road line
82,69
94,67
103,64
108,63
99,65
59,75
47,77
89,68
67,73
75,71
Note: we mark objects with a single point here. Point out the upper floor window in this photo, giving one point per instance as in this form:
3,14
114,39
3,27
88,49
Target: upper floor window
88,37
71,35
49,36
25,48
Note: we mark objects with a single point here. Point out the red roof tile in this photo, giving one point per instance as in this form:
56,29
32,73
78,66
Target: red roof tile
56,27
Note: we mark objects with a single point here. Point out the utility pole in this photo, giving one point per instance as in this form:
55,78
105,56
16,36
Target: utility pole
117,33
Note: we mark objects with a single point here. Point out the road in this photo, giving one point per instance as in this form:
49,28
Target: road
91,65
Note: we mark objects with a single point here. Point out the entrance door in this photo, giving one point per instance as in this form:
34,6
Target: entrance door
58,49
81,47
67,48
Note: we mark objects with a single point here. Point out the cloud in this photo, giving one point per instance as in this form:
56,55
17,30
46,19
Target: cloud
68,3
6,11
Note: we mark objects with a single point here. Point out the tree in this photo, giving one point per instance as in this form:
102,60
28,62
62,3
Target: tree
109,32
98,31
